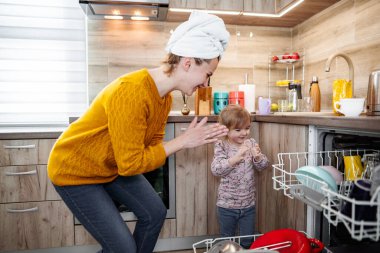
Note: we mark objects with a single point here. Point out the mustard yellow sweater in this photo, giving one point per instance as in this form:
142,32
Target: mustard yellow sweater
120,134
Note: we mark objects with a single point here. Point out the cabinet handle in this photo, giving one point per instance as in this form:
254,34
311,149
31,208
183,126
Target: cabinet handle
20,146
183,128
33,209
31,172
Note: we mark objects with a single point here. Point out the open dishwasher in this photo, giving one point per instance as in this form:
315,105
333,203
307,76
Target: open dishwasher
335,215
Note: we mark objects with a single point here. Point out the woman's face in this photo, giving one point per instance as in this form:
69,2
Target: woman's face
197,75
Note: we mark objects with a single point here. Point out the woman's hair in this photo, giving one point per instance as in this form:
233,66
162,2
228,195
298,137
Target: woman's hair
234,116
171,61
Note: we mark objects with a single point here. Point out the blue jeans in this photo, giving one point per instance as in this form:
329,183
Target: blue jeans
93,206
243,220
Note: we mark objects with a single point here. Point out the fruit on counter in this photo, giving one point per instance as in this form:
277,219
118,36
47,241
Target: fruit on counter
295,56
275,58
286,56
274,107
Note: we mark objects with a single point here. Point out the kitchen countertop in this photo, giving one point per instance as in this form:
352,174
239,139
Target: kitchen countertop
363,122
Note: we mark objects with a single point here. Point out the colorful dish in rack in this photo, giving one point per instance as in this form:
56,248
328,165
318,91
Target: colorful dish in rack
308,175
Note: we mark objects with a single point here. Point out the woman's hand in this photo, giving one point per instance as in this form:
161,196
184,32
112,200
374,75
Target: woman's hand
197,134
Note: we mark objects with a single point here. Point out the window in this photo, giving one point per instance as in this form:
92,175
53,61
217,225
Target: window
43,70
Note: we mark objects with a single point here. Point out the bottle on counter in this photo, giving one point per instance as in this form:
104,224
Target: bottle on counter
315,95
293,97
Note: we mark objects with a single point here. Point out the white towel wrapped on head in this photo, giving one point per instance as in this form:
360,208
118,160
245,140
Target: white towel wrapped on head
203,36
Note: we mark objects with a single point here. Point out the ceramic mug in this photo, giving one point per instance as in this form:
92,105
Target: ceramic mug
350,107
264,105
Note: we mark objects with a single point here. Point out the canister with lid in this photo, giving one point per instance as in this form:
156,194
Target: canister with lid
220,101
236,97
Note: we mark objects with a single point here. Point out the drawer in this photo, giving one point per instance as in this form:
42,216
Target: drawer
35,225
25,183
25,152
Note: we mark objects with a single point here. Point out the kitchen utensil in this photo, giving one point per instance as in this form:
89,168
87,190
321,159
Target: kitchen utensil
287,241
341,89
225,246
236,97
334,172
283,105
303,174
361,192
249,96
264,105
373,93
350,107
203,101
185,110
220,101
353,167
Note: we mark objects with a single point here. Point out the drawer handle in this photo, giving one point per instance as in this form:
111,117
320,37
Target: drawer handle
31,172
33,209
183,128
20,146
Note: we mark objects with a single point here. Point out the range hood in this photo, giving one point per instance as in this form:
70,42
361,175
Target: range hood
155,10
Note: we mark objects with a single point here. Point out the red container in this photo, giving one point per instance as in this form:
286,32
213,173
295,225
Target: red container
236,97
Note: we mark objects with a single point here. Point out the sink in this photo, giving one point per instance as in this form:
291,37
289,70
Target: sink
324,113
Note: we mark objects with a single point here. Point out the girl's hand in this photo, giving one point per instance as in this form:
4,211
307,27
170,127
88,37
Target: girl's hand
240,155
256,152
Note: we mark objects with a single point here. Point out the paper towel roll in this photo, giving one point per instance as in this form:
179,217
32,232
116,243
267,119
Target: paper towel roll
249,96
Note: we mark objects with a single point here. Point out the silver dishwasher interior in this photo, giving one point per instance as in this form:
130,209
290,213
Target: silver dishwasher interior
328,139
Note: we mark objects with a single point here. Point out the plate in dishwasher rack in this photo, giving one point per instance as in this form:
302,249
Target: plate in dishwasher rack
312,176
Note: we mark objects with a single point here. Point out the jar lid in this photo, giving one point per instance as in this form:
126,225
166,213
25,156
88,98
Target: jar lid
236,94
220,94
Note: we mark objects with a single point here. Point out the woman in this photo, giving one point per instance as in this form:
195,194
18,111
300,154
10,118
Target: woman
101,156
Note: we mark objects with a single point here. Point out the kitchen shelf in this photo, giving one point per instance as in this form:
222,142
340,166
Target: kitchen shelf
284,69
324,199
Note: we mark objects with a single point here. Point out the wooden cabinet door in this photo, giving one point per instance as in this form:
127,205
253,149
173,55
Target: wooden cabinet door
35,225
191,189
18,152
25,183
275,210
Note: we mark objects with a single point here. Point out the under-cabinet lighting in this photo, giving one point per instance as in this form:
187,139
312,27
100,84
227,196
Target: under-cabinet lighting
113,17
256,14
139,18
207,11
279,15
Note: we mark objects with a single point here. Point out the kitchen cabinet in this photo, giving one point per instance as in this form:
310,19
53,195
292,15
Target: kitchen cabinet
32,215
208,4
274,210
196,190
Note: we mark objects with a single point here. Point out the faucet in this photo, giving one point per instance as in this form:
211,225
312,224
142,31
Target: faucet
350,66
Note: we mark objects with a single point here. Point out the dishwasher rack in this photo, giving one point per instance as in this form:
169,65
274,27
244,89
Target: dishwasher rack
204,246
324,199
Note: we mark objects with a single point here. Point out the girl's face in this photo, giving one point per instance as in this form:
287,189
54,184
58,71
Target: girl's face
197,75
239,135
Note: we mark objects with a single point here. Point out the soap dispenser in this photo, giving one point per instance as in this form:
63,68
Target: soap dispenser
315,95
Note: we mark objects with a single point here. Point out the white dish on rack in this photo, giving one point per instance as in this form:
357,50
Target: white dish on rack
312,176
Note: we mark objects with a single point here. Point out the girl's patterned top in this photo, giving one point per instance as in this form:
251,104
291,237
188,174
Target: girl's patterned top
237,186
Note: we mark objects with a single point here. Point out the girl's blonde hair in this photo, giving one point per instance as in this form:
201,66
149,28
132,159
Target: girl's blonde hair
234,116
171,61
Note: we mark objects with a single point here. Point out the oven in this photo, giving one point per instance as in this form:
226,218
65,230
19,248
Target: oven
337,237
163,181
